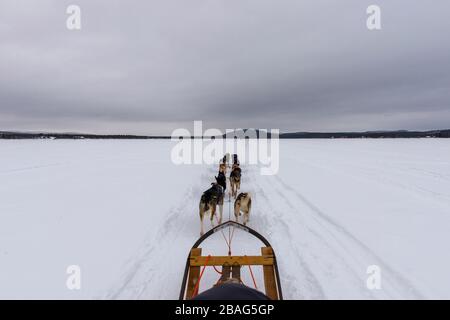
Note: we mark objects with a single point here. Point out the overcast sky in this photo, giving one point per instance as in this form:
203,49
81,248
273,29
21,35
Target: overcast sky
148,67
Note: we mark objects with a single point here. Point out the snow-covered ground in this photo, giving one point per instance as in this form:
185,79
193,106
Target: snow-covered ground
128,216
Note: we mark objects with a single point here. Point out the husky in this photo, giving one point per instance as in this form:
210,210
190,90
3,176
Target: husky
226,159
221,180
224,163
208,202
235,180
243,204
235,159
222,168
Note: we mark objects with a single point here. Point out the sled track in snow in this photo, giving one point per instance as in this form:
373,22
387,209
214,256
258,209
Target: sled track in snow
146,273
273,226
318,257
344,243
141,270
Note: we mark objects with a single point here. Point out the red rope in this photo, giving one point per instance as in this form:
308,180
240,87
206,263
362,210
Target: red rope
219,272
225,238
197,285
229,238
232,235
253,277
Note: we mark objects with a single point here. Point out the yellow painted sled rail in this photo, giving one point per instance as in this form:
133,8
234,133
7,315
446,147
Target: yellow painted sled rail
231,265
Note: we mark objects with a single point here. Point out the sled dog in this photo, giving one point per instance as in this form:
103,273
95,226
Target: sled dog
223,168
243,204
208,203
235,180
221,179
235,159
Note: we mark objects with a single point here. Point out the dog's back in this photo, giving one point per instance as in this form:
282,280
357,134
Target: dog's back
236,174
208,202
244,198
222,180
213,194
243,204
235,159
226,159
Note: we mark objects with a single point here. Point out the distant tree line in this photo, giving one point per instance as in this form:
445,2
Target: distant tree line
293,135
368,134
26,135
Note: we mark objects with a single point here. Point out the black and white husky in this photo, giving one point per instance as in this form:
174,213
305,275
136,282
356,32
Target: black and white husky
221,179
208,203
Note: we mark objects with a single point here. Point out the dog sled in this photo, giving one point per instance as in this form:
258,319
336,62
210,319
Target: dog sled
230,285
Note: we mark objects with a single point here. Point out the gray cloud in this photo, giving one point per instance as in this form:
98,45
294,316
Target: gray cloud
151,66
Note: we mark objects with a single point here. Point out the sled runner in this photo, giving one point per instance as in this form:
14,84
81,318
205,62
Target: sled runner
230,286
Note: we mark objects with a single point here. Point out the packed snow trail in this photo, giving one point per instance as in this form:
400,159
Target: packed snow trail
128,216
318,258
333,261
157,270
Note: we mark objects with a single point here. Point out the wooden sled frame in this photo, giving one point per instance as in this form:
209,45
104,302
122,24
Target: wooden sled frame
232,264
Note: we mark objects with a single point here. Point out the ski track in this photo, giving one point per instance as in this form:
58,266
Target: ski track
143,279
25,169
347,245
318,269
370,173
321,260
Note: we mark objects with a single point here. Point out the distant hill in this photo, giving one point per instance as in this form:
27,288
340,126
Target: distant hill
365,134
294,135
